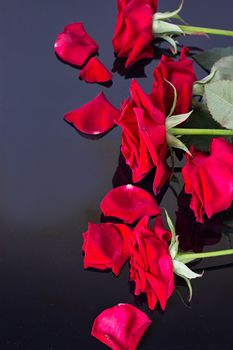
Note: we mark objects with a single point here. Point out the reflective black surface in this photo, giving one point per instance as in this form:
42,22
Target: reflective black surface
52,181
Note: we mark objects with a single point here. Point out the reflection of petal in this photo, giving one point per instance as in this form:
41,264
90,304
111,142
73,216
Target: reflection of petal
129,203
74,45
106,246
121,327
95,72
95,117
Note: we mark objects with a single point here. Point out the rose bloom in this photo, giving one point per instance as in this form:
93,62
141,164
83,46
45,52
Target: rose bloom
209,179
144,143
182,76
151,264
133,32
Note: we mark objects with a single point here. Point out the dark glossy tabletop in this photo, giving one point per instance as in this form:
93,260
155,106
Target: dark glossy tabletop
52,181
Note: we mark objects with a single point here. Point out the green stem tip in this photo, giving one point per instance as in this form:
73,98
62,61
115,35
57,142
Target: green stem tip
191,29
188,257
212,132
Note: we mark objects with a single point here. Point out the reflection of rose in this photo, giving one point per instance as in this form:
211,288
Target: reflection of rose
144,143
182,76
194,235
151,264
209,179
133,32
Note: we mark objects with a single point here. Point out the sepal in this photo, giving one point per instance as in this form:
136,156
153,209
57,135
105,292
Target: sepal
174,142
175,120
168,14
165,28
179,268
199,86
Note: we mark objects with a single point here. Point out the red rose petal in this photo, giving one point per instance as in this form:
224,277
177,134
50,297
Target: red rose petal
133,33
129,203
160,230
142,49
106,246
209,178
95,117
121,327
74,45
95,72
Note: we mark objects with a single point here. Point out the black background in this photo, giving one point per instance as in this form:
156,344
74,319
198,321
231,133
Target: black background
52,181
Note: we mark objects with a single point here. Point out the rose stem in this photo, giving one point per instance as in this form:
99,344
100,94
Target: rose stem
213,132
190,30
188,257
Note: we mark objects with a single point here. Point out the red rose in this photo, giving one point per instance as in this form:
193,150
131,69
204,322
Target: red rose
182,75
144,143
151,263
133,32
209,179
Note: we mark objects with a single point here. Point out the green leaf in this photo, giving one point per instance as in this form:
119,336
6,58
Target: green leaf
219,97
223,69
208,58
200,119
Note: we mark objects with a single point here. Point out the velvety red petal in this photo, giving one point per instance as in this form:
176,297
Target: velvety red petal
74,45
95,117
121,327
182,76
209,179
133,146
160,230
129,203
142,49
95,72
151,265
133,31
221,150
106,246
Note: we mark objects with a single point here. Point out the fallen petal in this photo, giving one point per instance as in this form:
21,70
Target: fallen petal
121,327
129,203
95,117
74,45
95,72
